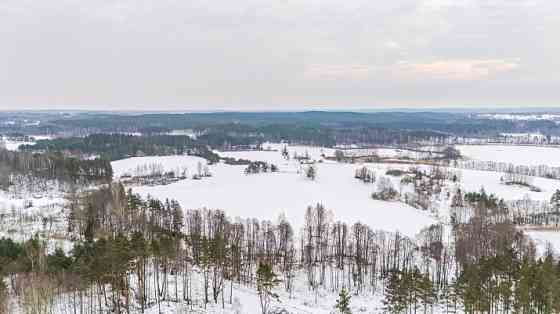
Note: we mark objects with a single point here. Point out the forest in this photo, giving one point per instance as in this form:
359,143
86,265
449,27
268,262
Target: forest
118,146
311,127
16,167
132,253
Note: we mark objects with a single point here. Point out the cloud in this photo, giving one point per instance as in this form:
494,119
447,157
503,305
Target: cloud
337,72
458,69
392,45
89,54
462,69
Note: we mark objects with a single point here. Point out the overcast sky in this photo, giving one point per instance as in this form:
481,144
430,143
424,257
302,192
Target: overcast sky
278,55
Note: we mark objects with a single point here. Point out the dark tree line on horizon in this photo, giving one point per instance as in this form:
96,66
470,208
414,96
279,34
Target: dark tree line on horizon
119,146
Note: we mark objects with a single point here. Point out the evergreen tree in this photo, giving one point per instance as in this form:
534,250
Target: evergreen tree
266,281
285,153
343,302
395,300
311,172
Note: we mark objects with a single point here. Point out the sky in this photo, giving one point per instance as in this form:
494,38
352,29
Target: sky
278,55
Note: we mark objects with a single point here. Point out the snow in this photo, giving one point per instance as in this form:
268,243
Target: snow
301,302
169,163
517,155
187,132
268,195
525,135
288,192
272,153
21,218
545,239
473,180
315,152
521,117
245,300
14,145
389,153
8,202
41,137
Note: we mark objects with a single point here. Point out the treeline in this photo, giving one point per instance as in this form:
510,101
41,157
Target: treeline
230,130
499,271
133,253
534,171
521,212
445,122
18,167
314,127
119,146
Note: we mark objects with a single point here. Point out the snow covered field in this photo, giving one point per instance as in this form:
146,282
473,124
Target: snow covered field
268,195
14,145
288,192
169,163
22,218
389,153
517,155
271,153
473,180
520,116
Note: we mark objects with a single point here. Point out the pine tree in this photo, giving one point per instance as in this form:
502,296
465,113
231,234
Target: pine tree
395,293
523,288
311,172
424,290
266,281
343,302
285,153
